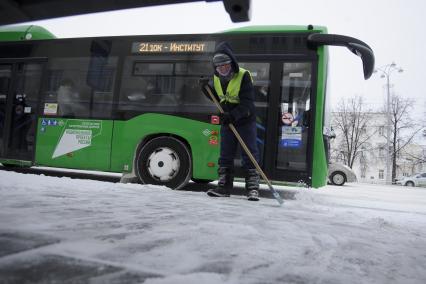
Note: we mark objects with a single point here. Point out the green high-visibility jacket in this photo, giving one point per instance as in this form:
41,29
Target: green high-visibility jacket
233,89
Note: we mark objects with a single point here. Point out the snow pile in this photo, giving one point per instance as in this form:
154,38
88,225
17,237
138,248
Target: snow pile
351,234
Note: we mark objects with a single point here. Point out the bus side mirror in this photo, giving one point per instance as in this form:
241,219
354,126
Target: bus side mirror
367,58
356,46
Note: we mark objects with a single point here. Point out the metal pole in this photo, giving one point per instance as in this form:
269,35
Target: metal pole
388,133
387,71
246,149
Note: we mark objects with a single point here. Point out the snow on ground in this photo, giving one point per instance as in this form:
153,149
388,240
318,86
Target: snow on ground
103,232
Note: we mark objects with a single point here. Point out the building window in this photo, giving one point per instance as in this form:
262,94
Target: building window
381,174
382,151
381,130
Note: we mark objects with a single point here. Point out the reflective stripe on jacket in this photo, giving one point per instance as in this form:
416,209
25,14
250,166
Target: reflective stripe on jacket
233,89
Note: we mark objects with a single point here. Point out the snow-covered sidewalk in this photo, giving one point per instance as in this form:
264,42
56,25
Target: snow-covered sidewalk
62,229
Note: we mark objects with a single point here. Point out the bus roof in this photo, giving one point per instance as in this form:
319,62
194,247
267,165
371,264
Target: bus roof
34,32
24,32
278,29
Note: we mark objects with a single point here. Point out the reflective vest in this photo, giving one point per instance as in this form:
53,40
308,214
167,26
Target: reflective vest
233,89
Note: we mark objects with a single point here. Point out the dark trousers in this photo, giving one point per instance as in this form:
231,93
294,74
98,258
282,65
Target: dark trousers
229,144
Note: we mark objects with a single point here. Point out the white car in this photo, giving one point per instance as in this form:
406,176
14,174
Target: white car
414,180
338,174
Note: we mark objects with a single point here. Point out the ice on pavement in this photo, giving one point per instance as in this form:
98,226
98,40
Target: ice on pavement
357,233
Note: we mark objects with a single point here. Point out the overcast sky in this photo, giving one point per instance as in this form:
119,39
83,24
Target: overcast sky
393,28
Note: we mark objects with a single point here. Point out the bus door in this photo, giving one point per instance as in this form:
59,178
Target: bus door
291,147
283,107
20,83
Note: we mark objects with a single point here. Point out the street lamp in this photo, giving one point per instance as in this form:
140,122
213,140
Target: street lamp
385,72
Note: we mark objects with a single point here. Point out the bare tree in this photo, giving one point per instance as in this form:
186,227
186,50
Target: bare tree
417,159
403,128
423,122
350,119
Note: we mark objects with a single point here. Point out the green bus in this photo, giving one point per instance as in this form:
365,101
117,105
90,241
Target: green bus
133,105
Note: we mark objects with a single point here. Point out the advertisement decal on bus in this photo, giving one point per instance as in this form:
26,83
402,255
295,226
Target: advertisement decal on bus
77,135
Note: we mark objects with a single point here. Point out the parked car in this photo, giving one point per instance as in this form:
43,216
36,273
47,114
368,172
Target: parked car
338,174
414,180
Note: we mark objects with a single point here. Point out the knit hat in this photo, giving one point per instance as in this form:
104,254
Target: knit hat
220,59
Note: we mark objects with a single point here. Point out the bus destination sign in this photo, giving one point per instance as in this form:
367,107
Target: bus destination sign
173,47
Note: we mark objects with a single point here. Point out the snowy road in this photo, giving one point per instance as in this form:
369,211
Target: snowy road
66,230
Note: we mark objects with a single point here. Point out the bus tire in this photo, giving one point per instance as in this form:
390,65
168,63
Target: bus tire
338,178
164,161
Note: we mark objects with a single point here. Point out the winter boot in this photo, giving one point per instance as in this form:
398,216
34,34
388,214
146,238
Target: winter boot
252,185
225,183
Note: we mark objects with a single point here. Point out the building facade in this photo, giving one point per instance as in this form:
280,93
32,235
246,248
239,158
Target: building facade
370,162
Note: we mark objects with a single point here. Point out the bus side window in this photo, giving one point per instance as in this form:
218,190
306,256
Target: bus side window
261,83
191,93
66,95
72,102
260,72
189,74
151,91
75,92
102,104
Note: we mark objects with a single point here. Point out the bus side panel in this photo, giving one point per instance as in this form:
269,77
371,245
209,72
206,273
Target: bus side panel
204,145
74,143
319,164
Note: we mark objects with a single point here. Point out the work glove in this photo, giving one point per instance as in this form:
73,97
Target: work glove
226,118
203,82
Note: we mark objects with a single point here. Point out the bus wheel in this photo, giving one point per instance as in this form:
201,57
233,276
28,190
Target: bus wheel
338,178
164,161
